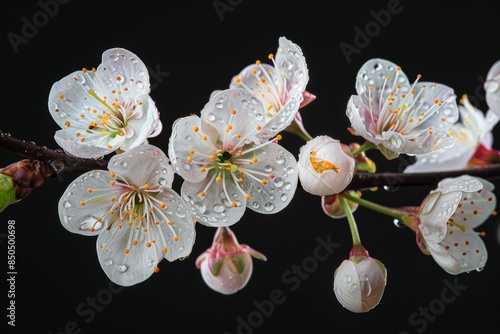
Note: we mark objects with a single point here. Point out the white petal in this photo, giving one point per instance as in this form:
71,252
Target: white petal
476,206
219,113
492,88
291,63
85,200
346,286
131,164
463,183
142,126
223,205
129,253
185,138
121,68
459,252
374,73
434,224
94,146
279,190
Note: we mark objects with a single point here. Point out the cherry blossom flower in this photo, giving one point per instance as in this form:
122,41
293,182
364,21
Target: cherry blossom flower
472,133
360,281
225,166
226,267
138,218
400,117
105,109
492,88
447,219
326,166
280,87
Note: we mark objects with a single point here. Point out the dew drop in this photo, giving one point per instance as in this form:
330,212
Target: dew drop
121,268
398,223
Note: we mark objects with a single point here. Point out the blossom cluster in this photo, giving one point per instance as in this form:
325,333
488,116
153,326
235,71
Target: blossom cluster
230,160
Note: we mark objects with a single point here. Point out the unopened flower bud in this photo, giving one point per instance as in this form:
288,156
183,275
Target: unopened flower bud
27,175
226,267
326,166
359,283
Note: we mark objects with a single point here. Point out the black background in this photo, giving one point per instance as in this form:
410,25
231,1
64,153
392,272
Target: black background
199,51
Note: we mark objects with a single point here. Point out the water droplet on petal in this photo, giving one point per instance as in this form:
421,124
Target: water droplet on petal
121,268
491,86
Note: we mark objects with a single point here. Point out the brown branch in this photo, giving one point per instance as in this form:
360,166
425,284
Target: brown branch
60,161
64,163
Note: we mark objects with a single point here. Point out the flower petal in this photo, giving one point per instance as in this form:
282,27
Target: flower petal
129,254
433,225
94,145
223,204
280,166
144,126
476,206
188,138
121,68
459,252
157,171
85,204
220,112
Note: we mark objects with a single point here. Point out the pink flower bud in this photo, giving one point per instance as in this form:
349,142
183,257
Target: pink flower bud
227,266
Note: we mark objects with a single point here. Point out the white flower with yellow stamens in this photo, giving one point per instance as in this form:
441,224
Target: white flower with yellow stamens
105,109
280,87
399,117
138,218
225,166
473,131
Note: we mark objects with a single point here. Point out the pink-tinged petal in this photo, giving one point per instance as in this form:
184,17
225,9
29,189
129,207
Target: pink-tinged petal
132,166
85,204
307,97
214,203
271,182
188,138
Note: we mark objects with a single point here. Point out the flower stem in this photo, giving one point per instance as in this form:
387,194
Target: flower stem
356,241
365,147
391,212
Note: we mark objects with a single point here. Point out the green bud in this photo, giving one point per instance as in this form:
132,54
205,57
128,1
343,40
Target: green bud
7,191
